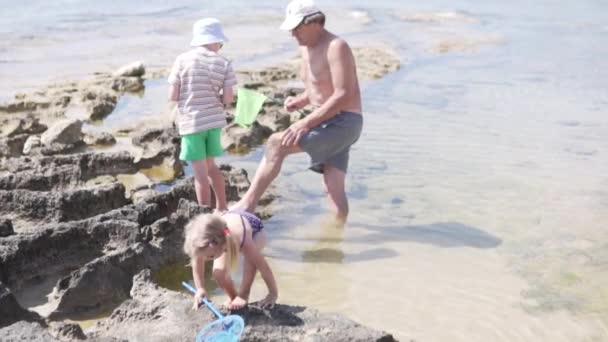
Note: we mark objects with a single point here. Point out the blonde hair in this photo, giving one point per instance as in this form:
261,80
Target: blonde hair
205,230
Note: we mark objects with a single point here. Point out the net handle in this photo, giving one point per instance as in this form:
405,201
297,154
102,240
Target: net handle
204,300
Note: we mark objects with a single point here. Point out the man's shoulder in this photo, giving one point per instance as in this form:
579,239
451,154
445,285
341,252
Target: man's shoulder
337,42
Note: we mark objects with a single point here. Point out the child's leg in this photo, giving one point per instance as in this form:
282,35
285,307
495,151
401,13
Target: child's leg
194,150
201,182
222,277
214,150
217,182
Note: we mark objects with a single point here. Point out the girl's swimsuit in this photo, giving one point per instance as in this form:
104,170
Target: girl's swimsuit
254,221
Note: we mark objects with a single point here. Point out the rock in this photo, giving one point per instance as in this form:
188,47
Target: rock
102,138
275,119
240,139
27,331
6,227
100,104
11,311
140,196
67,331
10,128
28,124
31,143
64,132
162,315
12,146
66,172
50,250
100,284
137,69
127,84
62,206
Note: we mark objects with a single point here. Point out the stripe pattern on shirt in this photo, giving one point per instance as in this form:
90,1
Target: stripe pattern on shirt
201,74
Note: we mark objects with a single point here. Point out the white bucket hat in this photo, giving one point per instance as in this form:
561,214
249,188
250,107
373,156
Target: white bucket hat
296,11
207,31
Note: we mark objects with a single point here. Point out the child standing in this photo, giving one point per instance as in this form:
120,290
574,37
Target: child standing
221,238
201,84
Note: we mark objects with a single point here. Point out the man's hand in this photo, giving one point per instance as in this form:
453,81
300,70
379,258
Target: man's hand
291,104
294,133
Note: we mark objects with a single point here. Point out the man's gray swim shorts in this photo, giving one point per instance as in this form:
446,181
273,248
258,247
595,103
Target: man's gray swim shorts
329,143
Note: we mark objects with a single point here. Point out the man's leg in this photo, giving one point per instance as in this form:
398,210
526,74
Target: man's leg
267,171
201,182
334,181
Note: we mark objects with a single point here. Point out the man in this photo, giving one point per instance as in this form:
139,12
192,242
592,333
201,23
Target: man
331,87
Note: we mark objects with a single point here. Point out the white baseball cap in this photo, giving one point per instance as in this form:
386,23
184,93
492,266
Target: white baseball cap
207,31
296,11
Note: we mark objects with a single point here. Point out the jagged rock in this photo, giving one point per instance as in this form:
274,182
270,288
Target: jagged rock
240,139
6,228
12,146
99,103
63,206
103,138
59,248
11,311
31,143
128,84
29,125
157,146
137,69
27,331
67,331
64,132
275,119
157,314
65,172
101,284
140,196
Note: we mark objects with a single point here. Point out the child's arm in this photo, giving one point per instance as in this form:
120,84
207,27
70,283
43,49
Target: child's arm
252,254
173,97
173,92
229,82
227,95
198,275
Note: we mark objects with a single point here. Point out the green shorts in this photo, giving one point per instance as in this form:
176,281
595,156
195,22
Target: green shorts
201,145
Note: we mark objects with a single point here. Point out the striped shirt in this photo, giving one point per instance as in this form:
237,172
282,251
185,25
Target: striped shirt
200,75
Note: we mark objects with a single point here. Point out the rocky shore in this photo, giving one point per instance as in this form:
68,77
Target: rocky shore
73,229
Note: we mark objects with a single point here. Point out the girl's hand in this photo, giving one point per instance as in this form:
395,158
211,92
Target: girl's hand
237,303
269,301
198,298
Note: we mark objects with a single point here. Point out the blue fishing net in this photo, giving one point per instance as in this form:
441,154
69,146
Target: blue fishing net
226,329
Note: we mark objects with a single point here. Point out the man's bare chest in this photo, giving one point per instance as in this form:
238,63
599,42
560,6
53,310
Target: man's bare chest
318,72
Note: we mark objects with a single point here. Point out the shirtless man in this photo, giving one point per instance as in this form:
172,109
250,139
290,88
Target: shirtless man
331,87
